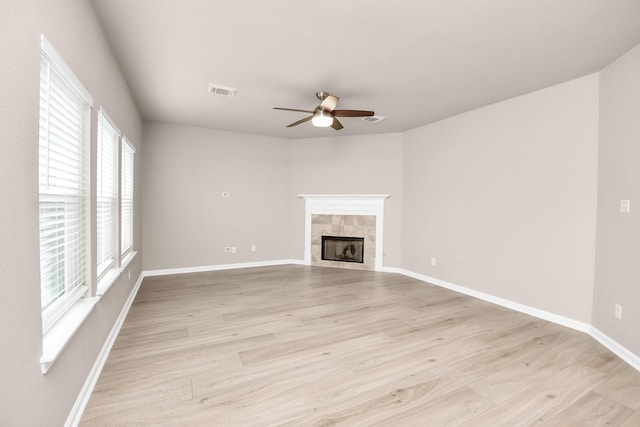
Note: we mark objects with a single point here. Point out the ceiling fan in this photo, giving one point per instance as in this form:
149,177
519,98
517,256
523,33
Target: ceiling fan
325,114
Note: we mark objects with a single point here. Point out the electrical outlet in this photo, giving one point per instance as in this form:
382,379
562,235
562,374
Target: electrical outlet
227,249
253,248
226,194
233,249
434,261
618,312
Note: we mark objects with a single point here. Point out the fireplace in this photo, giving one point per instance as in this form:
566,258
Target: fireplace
340,216
343,249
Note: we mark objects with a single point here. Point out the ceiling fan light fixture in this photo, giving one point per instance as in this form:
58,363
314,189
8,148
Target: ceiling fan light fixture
321,119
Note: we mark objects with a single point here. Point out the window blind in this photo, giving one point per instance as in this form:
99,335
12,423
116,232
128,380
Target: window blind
63,139
106,193
126,198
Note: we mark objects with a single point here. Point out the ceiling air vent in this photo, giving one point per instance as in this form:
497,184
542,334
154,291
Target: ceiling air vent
222,90
373,119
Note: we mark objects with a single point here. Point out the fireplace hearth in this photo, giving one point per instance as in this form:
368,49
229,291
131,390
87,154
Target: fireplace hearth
343,249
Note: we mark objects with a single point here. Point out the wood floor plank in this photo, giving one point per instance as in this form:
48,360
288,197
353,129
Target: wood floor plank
592,409
115,401
544,399
312,346
633,420
450,409
623,387
373,409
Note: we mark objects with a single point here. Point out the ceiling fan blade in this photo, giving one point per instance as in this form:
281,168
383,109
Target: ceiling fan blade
336,124
293,109
329,103
306,119
352,113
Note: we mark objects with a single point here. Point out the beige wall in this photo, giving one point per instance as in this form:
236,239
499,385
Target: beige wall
617,279
504,197
188,223
27,397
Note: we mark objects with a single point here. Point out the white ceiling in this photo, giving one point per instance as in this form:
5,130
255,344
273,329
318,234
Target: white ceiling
412,61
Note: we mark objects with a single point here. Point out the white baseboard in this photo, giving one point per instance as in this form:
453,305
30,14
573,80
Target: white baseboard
619,350
201,269
85,393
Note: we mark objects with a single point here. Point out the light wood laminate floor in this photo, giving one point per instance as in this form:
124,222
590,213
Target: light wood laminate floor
313,346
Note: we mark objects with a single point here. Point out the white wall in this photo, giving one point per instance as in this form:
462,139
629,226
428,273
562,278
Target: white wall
188,223
505,198
617,279
27,397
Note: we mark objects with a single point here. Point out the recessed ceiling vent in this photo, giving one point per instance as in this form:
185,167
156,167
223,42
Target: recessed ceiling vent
373,119
222,90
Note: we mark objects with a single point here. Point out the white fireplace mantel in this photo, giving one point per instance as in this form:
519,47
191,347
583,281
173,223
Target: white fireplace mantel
345,204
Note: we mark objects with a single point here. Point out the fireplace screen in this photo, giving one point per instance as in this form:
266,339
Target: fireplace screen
345,249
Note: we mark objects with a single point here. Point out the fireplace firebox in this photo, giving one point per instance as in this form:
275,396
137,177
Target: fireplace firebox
343,249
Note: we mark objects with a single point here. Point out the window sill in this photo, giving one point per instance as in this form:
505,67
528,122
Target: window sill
57,338
114,274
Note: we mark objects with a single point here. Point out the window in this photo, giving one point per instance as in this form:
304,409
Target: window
106,193
114,202
67,294
126,198
63,186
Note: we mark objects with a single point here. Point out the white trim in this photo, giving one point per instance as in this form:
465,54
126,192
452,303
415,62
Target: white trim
60,307
112,275
69,75
85,393
125,140
345,197
103,112
345,204
201,269
57,338
621,351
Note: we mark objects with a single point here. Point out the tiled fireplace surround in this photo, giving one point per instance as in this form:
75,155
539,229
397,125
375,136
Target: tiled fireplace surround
344,226
349,215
